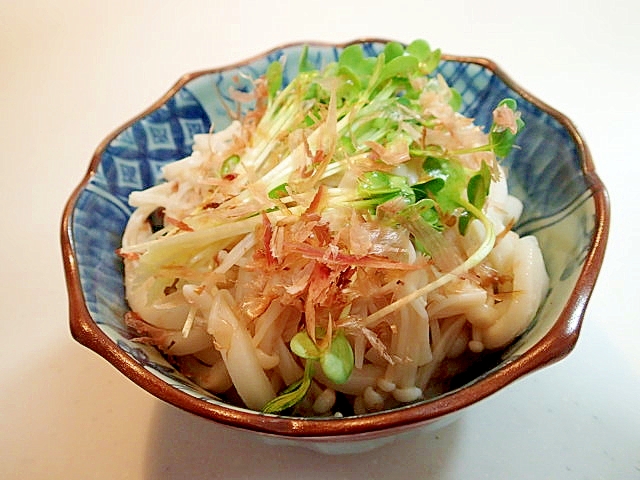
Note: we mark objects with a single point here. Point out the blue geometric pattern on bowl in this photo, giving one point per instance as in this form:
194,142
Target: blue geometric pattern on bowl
546,173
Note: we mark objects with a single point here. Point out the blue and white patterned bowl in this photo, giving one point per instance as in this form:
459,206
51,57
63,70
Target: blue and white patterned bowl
566,206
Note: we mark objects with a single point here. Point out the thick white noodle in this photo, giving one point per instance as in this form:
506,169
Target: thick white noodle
238,353
530,283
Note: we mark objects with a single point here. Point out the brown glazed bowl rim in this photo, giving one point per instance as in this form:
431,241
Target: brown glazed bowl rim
553,346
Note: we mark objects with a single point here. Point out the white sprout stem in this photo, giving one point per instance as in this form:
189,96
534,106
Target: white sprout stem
480,254
206,235
282,123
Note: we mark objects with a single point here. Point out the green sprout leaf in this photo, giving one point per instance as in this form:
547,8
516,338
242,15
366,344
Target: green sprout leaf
279,191
337,362
229,165
477,192
305,65
352,58
293,394
402,66
424,210
502,139
452,182
377,187
273,77
419,49
478,187
430,64
393,50
428,188
456,100
428,59
303,346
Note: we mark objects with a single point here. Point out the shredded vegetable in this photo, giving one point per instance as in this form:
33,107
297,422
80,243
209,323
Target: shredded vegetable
344,247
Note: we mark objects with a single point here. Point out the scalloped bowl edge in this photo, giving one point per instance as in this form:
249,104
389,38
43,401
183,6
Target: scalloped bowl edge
553,346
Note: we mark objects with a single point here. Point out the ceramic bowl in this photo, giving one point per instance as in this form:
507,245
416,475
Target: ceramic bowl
566,207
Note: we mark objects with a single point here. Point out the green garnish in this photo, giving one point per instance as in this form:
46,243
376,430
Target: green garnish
293,394
229,165
273,76
279,191
375,188
336,360
503,136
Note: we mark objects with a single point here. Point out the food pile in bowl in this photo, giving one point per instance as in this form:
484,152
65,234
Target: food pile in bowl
371,234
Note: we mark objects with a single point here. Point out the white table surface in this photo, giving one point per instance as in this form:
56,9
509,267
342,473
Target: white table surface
72,71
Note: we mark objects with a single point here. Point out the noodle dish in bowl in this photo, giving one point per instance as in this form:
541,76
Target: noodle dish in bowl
332,244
